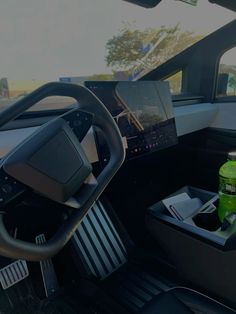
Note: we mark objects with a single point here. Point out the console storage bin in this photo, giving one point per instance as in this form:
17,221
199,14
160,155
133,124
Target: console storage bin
192,244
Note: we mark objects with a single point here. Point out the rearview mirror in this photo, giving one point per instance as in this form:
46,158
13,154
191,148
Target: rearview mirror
145,3
192,2
153,3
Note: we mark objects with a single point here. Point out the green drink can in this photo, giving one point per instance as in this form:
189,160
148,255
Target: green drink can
227,187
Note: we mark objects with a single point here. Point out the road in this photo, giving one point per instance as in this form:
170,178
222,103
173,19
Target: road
54,102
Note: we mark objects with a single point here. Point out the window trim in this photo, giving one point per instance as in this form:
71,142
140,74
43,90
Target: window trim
221,99
218,98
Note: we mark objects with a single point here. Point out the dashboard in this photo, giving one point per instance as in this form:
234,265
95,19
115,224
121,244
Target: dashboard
188,119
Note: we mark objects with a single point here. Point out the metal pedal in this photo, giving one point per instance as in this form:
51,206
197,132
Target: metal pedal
50,281
13,273
97,241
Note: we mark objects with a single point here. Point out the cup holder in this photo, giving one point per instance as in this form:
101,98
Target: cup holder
208,221
204,223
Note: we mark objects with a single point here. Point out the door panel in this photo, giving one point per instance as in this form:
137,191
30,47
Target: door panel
210,155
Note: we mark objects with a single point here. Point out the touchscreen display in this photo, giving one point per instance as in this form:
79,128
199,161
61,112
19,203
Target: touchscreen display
143,111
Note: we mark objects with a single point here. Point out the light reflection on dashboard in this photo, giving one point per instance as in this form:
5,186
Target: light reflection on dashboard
11,138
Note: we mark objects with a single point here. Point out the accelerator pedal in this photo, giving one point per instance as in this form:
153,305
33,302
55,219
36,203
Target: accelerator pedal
97,241
13,273
50,281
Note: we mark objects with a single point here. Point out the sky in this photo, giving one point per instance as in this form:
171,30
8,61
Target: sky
48,39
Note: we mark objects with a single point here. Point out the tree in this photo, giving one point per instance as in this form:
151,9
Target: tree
230,72
101,77
148,48
232,84
175,82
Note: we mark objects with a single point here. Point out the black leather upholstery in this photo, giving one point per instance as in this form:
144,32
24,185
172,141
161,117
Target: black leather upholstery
166,303
200,303
185,301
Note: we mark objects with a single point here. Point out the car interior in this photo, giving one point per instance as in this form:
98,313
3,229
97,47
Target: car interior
84,225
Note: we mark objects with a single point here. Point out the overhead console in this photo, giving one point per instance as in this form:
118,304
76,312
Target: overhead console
143,111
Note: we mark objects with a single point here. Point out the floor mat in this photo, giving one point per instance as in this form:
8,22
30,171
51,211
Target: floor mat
134,287
21,299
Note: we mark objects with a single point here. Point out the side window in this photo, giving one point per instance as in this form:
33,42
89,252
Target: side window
175,82
227,74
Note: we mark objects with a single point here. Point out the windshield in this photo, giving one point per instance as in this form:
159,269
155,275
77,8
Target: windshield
77,40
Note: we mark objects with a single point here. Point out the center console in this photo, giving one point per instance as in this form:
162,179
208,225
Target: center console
202,250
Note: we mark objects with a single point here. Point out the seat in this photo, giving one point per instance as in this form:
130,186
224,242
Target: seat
184,301
201,303
166,303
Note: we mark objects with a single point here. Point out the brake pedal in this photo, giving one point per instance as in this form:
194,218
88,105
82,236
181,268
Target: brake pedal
13,273
50,281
